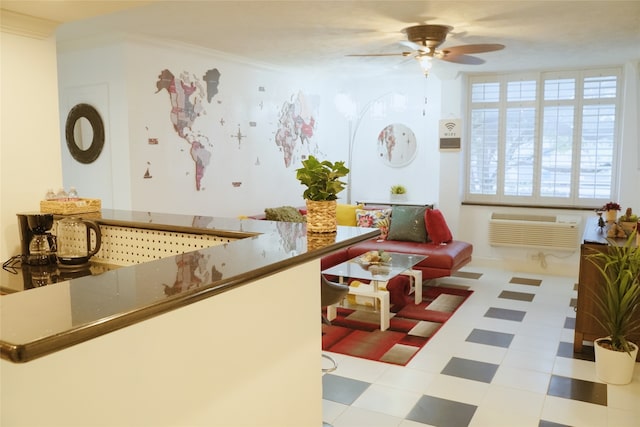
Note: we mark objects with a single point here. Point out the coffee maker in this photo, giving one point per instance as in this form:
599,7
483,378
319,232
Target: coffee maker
37,244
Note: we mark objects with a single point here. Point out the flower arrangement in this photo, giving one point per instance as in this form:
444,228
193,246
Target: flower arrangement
611,206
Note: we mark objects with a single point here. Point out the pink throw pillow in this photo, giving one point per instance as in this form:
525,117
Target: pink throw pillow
437,227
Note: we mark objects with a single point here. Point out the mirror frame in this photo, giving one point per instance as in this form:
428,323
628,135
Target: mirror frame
97,143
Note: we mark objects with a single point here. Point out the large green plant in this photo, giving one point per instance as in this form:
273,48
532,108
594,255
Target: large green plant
321,178
618,297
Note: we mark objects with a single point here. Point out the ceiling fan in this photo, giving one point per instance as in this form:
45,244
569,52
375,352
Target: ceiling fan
424,40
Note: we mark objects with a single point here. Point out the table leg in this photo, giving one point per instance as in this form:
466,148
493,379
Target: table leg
332,312
416,276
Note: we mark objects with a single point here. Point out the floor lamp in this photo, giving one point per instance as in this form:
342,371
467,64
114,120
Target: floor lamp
347,108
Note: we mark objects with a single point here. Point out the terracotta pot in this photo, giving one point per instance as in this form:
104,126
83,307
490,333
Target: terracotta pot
614,367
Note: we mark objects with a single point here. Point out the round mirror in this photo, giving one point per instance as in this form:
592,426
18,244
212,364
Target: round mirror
84,132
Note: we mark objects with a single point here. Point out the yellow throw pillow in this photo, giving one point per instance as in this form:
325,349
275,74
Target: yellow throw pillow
346,214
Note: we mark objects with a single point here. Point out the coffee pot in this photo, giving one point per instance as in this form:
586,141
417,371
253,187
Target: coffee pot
75,243
37,243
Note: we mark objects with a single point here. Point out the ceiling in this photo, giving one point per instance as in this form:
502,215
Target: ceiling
318,34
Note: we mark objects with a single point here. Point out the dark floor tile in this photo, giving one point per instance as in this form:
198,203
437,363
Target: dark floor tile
525,281
441,412
570,323
544,423
518,296
458,286
565,349
497,339
505,314
574,389
470,369
467,275
342,390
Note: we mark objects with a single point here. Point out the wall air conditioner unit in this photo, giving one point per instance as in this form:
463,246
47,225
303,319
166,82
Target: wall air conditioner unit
558,232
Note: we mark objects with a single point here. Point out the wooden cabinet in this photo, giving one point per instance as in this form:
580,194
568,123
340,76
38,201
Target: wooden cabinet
587,327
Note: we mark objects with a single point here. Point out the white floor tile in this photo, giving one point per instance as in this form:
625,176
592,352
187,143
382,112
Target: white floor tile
574,413
505,406
621,418
357,368
359,417
457,389
405,378
575,368
388,400
479,352
332,410
536,382
626,397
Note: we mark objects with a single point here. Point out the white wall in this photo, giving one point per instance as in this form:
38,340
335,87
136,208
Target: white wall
257,163
30,141
96,77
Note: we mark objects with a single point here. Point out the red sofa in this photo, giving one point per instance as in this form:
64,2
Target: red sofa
442,259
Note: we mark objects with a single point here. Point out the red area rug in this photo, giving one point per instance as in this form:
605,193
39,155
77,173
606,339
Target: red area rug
356,329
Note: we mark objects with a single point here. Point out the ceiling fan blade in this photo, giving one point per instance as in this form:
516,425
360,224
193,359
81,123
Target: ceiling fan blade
380,54
472,48
414,45
463,59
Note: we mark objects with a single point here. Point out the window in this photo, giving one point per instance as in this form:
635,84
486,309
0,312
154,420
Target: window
543,138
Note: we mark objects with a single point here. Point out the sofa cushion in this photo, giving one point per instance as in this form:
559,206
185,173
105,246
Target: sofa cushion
346,214
437,226
407,224
374,218
284,213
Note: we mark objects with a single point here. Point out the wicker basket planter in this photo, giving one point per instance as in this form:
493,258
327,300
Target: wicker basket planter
319,240
321,216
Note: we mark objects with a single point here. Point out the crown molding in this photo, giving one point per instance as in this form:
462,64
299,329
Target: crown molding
26,25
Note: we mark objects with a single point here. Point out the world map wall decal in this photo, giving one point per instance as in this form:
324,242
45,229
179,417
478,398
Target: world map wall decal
186,94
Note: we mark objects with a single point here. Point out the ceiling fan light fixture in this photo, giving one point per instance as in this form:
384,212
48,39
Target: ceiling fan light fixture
426,62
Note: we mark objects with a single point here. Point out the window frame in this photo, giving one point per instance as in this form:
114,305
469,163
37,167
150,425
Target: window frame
578,102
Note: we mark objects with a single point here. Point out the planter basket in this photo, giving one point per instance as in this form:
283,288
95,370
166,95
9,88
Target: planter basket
319,240
321,216
614,367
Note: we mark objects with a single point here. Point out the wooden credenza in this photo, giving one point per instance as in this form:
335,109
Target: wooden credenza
587,327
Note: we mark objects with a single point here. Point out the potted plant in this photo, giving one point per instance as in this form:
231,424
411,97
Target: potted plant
617,304
611,211
323,182
398,192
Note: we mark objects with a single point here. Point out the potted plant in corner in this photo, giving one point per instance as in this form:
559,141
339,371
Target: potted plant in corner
617,304
398,193
323,183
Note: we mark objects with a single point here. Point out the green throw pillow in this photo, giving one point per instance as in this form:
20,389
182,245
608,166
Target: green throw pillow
407,224
284,213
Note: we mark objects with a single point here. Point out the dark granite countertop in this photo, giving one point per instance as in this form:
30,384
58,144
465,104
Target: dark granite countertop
42,320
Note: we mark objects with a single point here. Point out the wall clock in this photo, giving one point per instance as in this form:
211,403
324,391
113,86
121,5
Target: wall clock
397,145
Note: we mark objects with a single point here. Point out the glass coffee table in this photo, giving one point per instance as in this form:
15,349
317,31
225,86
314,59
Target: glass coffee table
378,274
